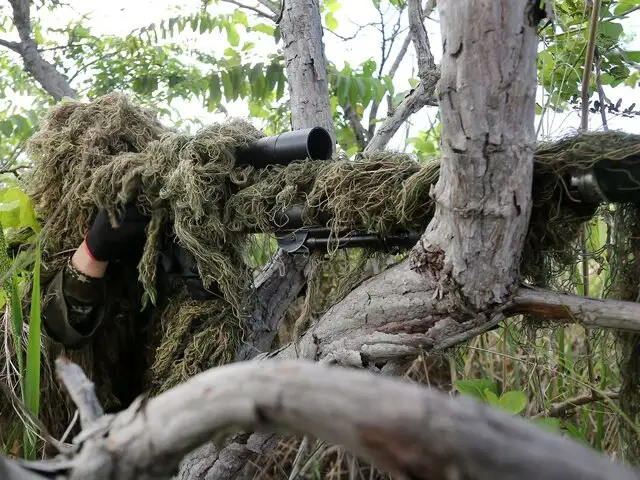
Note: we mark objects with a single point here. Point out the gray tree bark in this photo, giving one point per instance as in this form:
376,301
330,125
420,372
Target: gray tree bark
472,248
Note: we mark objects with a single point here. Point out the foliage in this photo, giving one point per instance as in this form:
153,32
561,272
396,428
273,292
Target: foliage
562,56
16,214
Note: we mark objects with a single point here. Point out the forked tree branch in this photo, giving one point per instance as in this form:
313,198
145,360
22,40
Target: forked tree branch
422,95
410,431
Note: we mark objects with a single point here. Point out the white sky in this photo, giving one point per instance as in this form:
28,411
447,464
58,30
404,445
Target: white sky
121,16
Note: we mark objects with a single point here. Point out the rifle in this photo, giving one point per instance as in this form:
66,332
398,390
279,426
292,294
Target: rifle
609,181
292,236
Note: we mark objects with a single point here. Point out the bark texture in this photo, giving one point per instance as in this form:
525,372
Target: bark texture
301,29
388,422
483,198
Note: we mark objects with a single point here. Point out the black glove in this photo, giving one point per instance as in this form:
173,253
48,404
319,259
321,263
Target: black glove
126,242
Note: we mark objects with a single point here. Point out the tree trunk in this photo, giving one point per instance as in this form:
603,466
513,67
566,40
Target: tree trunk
472,247
301,29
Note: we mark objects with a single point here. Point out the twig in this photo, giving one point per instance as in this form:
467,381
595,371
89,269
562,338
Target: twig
588,64
601,96
14,170
275,7
81,390
256,10
561,408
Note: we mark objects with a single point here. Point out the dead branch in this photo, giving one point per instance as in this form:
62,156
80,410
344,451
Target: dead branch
589,312
561,408
81,390
386,421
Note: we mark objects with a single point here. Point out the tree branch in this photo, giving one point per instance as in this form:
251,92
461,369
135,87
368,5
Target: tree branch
44,72
423,93
81,390
385,421
275,289
418,98
15,46
589,312
560,409
427,70
275,7
256,10
283,278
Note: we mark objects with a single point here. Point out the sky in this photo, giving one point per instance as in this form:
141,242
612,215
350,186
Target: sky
121,16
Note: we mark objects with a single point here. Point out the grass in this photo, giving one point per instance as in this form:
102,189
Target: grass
28,369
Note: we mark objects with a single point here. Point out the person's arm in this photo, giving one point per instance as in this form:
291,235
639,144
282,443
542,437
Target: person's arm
75,297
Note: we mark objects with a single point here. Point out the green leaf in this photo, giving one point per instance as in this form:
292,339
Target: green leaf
32,373
624,6
240,17
263,28
611,30
388,82
332,5
632,55
474,387
330,20
16,209
513,402
232,35
492,398
6,127
549,424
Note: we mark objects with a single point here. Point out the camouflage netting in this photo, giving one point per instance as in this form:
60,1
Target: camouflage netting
108,152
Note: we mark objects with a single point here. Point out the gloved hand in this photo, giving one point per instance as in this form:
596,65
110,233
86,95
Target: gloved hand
126,242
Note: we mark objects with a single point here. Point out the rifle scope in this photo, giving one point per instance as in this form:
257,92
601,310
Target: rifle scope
609,181
314,143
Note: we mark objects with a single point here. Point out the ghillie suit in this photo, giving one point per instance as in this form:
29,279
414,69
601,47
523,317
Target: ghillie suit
152,334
